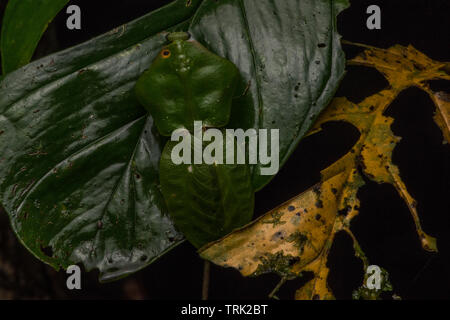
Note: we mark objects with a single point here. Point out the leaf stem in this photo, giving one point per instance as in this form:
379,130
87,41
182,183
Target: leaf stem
206,278
277,288
357,248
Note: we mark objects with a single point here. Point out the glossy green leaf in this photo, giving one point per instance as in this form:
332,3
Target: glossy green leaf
24,23
186,83
290,58
206,201
79,155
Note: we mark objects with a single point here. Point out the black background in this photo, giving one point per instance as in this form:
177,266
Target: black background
384,227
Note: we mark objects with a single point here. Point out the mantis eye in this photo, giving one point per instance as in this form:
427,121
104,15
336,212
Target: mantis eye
165,53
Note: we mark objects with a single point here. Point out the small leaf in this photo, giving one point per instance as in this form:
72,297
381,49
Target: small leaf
206,201
24,23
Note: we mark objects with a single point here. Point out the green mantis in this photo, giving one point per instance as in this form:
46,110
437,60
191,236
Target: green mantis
187,82
184,84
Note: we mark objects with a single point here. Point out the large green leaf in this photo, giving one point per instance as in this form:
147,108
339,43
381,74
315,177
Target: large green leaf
289,54
79,156
24,23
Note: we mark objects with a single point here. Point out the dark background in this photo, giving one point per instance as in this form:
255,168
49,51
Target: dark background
384,227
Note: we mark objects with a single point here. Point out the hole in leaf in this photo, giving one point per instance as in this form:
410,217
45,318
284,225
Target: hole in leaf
346,270
420,155
387,235
287,291
439,85
361,82
423,162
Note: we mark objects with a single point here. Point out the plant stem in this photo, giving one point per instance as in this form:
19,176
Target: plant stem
274,291
206,277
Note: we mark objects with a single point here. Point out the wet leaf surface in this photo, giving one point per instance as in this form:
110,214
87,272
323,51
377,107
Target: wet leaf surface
290,58
79,155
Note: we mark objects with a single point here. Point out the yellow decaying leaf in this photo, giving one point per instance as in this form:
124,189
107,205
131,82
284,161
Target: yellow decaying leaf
405,67
297,236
